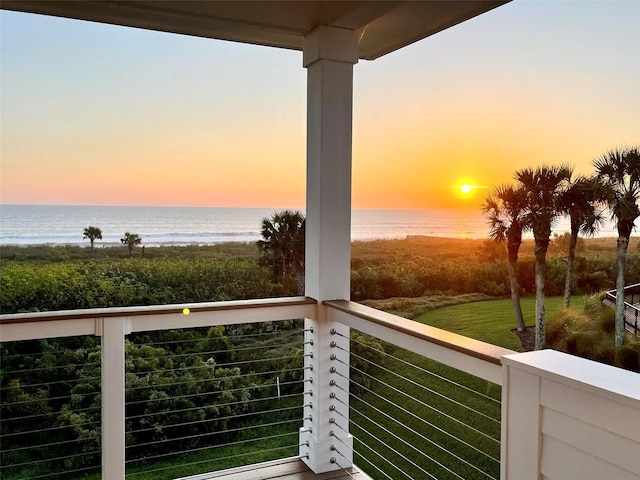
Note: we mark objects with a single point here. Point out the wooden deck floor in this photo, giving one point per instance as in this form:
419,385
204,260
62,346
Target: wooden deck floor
288,469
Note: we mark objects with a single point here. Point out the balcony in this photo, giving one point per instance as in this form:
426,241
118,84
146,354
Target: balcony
325,388
365,394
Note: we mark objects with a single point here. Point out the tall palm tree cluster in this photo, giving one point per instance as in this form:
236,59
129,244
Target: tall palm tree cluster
541,195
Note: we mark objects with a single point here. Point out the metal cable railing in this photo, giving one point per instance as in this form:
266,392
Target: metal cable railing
412,417
50,416
214,401
197,400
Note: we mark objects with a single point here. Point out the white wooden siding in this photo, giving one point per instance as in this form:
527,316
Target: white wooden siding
564,408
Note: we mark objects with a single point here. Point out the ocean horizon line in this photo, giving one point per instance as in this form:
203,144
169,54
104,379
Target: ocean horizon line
277,208
23,224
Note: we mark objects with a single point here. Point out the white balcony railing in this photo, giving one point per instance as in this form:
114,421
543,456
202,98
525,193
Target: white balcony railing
631,306
365,387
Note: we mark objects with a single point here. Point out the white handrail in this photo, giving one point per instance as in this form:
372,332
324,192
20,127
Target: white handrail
472,356
70,323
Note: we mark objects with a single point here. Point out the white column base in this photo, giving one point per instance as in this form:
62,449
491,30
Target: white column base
318,455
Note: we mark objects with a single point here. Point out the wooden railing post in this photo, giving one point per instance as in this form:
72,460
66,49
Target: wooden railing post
113,397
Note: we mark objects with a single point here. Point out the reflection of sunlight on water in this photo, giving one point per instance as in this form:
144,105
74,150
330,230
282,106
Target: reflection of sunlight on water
371,224
465,236
462,224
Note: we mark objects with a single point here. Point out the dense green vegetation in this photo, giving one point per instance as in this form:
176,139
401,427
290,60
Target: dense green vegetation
31,286
52,278
424,266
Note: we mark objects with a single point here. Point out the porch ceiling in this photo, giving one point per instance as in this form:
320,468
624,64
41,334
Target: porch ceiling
382,26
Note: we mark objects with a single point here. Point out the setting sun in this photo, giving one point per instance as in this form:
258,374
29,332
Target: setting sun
465,191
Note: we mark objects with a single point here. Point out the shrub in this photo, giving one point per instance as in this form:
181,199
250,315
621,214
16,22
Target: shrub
590,334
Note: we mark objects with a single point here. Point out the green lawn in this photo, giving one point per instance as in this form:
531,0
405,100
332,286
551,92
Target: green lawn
493,320
411,415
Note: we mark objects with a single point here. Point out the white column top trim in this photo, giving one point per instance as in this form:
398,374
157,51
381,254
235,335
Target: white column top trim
330,43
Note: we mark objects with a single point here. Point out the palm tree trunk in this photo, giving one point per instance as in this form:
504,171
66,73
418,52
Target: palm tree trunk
540,253
515,296
572,254
300,281
622,244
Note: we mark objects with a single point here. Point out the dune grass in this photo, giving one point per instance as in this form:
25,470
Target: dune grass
590,332
81,253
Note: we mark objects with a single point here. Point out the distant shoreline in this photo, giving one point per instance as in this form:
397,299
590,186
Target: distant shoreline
441,250
408,238
171,226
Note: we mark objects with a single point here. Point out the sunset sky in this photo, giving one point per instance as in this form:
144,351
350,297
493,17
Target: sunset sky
94,114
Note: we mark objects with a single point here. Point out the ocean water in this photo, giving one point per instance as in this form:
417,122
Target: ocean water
64,225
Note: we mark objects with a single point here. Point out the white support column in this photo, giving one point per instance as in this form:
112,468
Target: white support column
329,56
113,397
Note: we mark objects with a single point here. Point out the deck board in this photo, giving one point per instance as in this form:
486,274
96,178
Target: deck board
288,469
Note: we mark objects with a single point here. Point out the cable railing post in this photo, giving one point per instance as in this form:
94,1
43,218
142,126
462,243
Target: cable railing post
325,441
113,397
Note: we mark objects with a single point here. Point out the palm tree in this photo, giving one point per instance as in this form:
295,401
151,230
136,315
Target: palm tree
619,173
542,187
131,240
505,209
580,201
282,248
93,234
